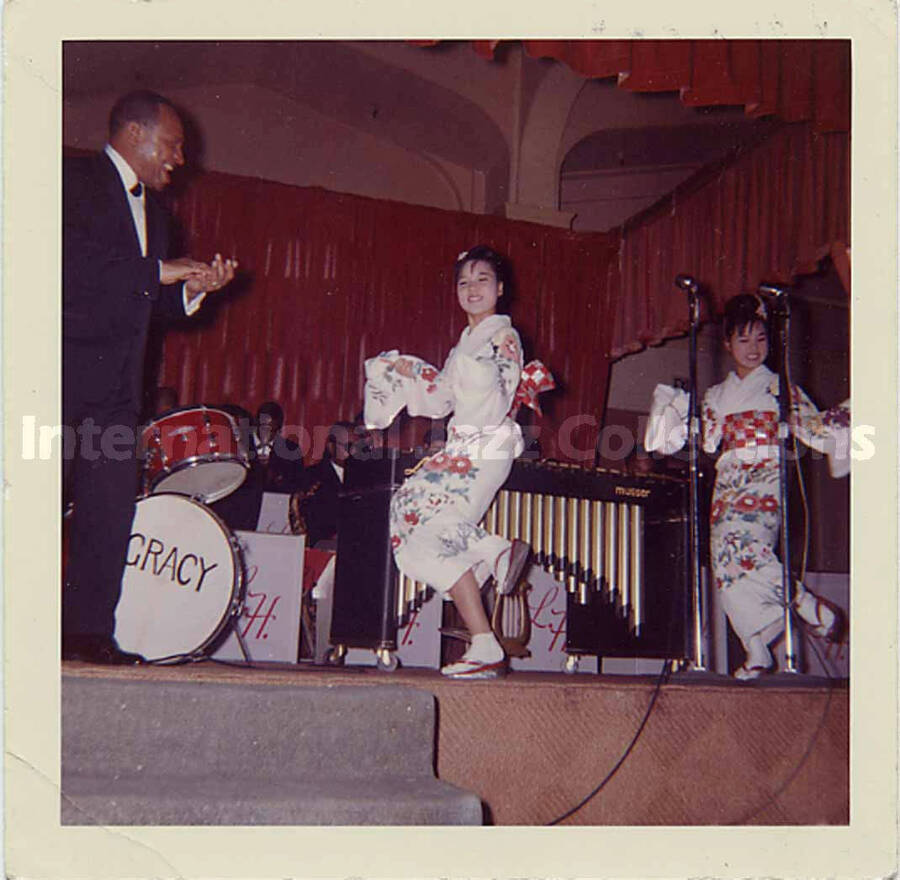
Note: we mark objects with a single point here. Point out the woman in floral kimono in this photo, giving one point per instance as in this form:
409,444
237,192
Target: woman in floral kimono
434,516
741,415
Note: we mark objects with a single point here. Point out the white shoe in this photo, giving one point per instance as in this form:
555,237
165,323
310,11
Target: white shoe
475,669
751,673
758,661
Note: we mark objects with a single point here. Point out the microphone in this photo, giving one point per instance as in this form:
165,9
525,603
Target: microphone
685,282
773,289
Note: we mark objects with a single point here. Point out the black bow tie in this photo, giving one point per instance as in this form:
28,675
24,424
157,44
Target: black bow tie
137,190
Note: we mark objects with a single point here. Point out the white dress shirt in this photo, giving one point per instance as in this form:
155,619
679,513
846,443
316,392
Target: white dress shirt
139,216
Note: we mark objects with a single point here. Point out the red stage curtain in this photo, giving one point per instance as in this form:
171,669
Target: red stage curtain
769,215
795,80
331,279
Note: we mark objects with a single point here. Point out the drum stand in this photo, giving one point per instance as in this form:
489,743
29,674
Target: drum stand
205,653
240,639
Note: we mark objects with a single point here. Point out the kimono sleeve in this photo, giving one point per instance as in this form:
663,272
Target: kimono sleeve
506,354
425,393
666,430
827,432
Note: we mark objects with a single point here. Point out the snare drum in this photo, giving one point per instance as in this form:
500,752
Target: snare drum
197,452
183,581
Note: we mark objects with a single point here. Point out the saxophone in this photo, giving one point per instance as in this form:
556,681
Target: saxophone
296,517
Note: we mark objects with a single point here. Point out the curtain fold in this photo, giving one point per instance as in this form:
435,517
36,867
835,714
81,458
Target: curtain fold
329,279
771,214
794,80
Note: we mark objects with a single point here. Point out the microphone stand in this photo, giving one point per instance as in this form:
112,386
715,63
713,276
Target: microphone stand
699,661
782,312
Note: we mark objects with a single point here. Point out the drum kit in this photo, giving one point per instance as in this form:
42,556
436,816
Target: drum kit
183,583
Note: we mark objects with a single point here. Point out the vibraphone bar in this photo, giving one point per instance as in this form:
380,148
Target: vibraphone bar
588,528
585,543
618,543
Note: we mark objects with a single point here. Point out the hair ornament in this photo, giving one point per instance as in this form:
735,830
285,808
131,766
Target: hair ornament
462,256
761,311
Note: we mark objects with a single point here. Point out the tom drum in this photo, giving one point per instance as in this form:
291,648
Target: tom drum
197,452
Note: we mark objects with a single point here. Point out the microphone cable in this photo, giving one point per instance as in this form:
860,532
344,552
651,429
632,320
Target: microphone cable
661,679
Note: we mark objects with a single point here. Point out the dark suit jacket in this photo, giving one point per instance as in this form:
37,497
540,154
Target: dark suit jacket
110,291
284,471
320,509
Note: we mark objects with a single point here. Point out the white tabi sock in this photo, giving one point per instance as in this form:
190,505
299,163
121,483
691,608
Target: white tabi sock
485,648
758,654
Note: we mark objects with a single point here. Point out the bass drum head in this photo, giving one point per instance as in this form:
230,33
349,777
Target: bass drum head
182,579
211,478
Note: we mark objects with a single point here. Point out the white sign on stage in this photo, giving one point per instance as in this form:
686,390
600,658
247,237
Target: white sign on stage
270,619
547,610
273,514
419,641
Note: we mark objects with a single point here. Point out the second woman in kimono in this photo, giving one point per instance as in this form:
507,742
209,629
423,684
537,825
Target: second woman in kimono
740,420
435,514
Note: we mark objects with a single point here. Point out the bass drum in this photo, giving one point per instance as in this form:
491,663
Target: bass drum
183,582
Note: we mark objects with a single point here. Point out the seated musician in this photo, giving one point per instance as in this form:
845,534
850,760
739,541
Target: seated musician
434,515
276,465
278,458
318,501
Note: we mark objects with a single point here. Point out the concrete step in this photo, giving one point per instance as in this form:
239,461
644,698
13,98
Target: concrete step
163,752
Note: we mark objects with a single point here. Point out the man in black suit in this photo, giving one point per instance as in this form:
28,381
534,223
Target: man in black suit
276,465
323,483
280,457
116,277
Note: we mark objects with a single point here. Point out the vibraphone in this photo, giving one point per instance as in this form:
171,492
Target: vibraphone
618,543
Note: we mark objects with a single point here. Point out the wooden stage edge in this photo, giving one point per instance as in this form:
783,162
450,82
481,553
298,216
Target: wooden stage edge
535,745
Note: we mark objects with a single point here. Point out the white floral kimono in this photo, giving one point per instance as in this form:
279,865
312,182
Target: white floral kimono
741,415
435,514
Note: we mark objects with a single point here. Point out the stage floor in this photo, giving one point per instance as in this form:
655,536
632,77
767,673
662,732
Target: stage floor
534,745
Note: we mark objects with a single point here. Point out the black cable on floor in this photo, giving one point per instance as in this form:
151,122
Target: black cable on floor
663,676
174,660
188,660
237,664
